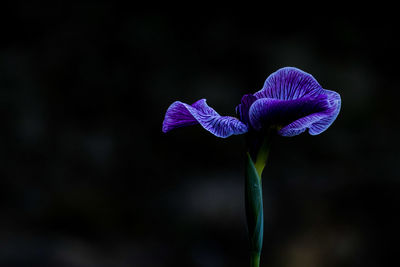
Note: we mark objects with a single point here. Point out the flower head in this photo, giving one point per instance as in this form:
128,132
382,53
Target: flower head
291,101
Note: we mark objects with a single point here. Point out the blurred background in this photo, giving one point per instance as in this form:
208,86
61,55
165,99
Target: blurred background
88,178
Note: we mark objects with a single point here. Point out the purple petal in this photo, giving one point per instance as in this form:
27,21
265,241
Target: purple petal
317,122
289,83
242,110
294,116
180,114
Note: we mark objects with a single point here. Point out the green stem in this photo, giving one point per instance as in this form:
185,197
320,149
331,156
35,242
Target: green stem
254,202
254,207
254,259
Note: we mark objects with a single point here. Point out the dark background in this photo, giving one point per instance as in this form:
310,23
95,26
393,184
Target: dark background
88,178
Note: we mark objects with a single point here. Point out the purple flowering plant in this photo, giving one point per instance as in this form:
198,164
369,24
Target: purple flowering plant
290,103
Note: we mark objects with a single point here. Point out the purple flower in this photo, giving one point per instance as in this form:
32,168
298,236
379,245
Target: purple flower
291,101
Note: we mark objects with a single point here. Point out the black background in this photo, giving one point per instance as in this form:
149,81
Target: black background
89,179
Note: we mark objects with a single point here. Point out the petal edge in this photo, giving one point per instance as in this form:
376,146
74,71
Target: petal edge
180,114
317,122
289,83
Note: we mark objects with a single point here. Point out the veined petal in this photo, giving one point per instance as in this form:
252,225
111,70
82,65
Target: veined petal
180,114
266,112
242,110
289,83
317,122
299,126
295,116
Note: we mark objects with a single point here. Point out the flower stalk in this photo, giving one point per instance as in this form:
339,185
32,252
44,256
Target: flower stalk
254,200
254,259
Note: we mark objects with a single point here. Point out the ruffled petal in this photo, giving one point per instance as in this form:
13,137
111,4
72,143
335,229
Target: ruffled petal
301,125
266,112
289,83
318,122
180,114
293,117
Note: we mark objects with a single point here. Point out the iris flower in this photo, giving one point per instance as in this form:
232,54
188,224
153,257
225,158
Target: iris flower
290,103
